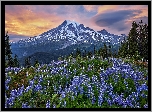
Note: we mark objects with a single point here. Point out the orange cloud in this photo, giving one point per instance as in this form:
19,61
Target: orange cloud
144,13
107,8
28,23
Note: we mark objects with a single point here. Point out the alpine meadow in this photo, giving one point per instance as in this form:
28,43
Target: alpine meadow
74,66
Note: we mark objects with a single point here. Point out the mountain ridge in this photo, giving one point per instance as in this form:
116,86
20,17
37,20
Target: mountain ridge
66,23
66,37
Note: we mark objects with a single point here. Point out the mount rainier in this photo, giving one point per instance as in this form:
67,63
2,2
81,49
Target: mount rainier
64,39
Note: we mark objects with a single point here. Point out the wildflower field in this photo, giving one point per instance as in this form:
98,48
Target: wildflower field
78,83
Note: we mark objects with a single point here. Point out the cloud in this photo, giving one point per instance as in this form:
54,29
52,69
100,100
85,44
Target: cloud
121,28
108,19
144,19
16,38
91,8
107,8
42,8
21,20
117,22
109,14
32,20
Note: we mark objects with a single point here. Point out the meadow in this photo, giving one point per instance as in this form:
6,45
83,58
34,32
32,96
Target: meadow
78,83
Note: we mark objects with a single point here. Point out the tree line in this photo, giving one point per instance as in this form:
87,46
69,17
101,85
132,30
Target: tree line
136,46
9,60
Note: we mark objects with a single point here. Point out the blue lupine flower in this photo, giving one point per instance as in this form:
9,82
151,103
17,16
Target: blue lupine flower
54,106
64,103
37,87
20,90
40,79
129,102
100,100
31,82
118,68
146,106
10,101
7,80
28,88
48,104
14,93
63,94
6,87
109,101
142,88
25,105
72,97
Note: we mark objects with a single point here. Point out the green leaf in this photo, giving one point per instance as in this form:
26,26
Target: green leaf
54,96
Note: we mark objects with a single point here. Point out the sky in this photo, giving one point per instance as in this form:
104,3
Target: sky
24,21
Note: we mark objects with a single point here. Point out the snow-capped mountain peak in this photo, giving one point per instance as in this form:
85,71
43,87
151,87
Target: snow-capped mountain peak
73,22
67,34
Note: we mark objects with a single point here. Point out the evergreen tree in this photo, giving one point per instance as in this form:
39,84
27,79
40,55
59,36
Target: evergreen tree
8,52
27,62
100,52
89,54
95,53
72,54
16,62
36,64
105,53
94,50
85,53
142,40
136,45
109,51
78,52
123,50
132,40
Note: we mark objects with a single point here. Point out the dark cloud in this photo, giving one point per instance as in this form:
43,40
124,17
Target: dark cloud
108,19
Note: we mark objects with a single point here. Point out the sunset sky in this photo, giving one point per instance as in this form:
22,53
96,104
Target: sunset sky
24,21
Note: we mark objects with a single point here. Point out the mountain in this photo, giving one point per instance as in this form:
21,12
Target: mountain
64,39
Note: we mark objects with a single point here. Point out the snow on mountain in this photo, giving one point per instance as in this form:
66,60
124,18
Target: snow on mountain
72,22
67,34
